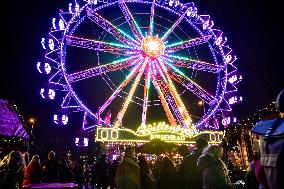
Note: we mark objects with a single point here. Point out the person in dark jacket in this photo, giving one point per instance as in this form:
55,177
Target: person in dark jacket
51,168
65,172
12,170
167,176
189,175
78,171
112,170
214,170
102,169
146,178
128,171
33,172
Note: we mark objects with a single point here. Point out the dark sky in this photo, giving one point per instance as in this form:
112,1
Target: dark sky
254,30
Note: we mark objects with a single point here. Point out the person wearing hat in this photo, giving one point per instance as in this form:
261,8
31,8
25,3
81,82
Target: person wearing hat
189,175
128,171
271,134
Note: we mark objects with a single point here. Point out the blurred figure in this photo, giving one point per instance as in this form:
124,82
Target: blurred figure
255,177
215,173
189,175
102,169
272,146
146,177
33,172
112,171
12,170
167,177
157,166
51,168
27,158
65,172
86,174
128,171
231,165
69,160
78,170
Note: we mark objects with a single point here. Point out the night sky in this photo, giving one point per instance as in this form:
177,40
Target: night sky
254,30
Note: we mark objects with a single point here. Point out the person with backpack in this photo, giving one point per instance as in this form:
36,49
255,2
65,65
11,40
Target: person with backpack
271,134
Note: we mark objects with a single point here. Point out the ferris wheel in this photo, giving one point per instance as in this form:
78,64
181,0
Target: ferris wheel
128,63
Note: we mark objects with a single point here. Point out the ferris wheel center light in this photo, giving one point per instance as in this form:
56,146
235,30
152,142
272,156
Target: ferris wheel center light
152,46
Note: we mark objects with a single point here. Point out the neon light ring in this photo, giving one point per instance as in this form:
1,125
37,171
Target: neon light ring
141,61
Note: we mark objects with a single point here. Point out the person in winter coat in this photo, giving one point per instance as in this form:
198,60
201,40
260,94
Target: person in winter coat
272,145
128,171
189,175
112,172
33,172
167,176
102,169
12,170
146,177
65,172
157,166
51,168
215,173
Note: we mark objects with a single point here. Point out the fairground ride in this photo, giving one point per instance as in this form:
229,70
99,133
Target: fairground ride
140,67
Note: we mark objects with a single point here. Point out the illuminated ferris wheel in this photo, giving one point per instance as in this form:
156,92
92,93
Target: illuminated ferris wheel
124,63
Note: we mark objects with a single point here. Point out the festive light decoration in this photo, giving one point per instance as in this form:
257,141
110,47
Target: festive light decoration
11,121
43,43
46,69
60,119
168,134
82,142
238,137
165,54
152,46
235,99
47,93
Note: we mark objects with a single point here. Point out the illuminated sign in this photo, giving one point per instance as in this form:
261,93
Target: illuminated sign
163,127
156,131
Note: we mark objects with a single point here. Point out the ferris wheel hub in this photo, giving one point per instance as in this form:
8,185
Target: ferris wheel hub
152,46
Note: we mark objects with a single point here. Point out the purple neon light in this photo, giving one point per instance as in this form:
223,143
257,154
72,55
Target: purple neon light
129,47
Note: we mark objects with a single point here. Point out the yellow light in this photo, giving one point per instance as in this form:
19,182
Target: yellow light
152,46
32,120
200,103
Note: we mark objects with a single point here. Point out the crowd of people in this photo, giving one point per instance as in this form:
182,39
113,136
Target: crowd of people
201,168
129,172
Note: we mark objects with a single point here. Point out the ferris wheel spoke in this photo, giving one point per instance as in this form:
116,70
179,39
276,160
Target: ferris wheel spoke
191,86
113,48
173,97
167,100
102,69
121,86
151,26
193,64
146,95
186,44
163,100
130,20
110,28
121,113
169,31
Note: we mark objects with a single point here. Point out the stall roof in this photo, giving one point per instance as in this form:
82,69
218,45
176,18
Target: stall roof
10,121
